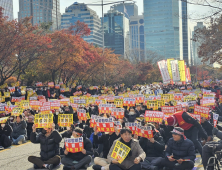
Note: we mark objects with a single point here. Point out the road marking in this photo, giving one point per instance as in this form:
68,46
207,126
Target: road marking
14,146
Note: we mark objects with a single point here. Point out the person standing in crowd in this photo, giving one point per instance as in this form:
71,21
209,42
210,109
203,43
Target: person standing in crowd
180,152
134,157
107,141
19,132
5,134
132,115
153,148
30,123
190,125
49,141
81,159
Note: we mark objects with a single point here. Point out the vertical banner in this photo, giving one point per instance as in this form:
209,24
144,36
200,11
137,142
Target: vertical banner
181,65
164,71
169,67
188,74
175,70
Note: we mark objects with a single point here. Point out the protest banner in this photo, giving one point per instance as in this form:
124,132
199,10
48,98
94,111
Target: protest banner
106,108
105,124
45,109
118,103
201,110
133,126
35,105
43,120
129,102
82,114
51,84
144,131
153,116
25,104
55,105
65,120
118,113
168,110
39,84
120,151
74,145
17,111
7,94
164,71
3,120
215,119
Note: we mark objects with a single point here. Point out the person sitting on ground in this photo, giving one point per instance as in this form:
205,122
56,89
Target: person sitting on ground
30,123
49,141
81,159
153,148
5,133
107,140
131,115
19,130
134,157
180,152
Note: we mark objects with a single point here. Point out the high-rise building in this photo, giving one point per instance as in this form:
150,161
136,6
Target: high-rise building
41,11
137,45
8,8
196,43
116,32
81,12
129,9
161,28
185,31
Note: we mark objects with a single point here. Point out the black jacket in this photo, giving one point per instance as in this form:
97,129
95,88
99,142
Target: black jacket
153,149
29,129
183,149
107,141
187,118
49,145
7,130
208,128
19,129
79,155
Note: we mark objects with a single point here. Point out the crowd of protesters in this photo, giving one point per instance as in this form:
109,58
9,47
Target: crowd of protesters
173,146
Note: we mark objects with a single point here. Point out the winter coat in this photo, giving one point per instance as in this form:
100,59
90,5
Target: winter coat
49,145
136,150
19,129
7,130
29,129
208,128
183,149
67,134
107,141
153,149
79,155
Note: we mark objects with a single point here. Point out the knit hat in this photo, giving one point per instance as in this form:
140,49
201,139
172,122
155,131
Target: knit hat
178,131
171,121
78,131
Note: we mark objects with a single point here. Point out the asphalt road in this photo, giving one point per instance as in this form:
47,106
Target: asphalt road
16,158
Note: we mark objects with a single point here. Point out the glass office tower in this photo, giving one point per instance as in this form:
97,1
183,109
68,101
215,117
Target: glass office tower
8,8
41,11
116,32
81,12
161,28
129,9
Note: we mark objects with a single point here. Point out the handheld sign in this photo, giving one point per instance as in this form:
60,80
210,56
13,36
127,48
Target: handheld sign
65,120
74,145
43,120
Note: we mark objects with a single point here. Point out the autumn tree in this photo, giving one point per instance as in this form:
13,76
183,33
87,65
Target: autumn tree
19,46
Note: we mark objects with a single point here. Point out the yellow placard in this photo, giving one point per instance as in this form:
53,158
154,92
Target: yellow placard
65,120
3,120
17,111
25,104
152,105
169,67
120,151
7,94
2,99
43,120
181,66
118,103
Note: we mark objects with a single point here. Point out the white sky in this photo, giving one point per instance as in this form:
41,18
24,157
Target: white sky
193,10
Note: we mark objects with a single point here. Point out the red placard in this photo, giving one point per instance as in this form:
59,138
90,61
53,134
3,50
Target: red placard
129,102
105,127
168,110
51,84
154,116
118,113
74,145
45,109
74,106
35,105
178,96
39,84
98,102
55,105
201,110
82,114
178,108
132,126
145,132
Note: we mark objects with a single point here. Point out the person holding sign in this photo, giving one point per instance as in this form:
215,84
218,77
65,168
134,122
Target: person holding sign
180,152
5,133
80,159
19,130
107,141
153,148
132,115
190,125
126,153
49,141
